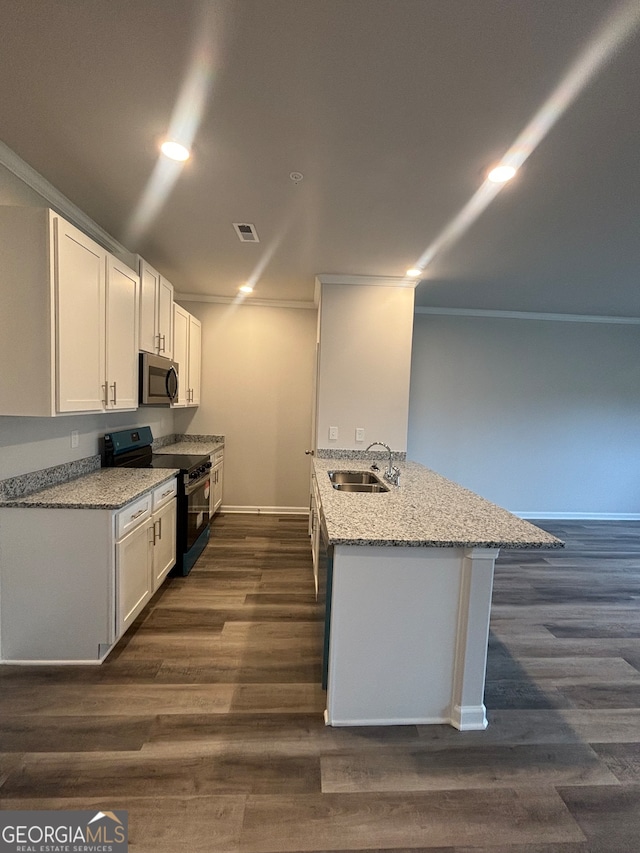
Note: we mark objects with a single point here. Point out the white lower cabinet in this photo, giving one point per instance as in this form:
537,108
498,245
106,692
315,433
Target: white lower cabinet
215,493
163,541
314,529
73,580
133,575
146,552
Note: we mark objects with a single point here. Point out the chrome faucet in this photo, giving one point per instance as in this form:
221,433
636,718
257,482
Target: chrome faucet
392,474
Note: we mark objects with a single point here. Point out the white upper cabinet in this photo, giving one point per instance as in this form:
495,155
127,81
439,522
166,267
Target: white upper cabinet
121,336
195,360
181,351
69,321
187,352
156,312
79,275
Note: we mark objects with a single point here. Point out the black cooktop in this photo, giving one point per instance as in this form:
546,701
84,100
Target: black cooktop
186,462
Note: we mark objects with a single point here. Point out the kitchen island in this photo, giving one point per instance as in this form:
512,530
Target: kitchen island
409,575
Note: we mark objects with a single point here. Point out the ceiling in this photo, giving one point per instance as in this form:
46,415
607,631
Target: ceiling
391,109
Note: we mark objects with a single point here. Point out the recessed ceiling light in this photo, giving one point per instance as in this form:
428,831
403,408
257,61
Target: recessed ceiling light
174,150
501,174
414,272
246,288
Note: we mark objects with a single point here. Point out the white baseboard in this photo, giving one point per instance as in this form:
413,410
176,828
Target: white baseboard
578,516
469,718
388,721
266,510
51,662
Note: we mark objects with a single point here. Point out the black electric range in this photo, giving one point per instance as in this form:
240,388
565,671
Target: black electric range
132,448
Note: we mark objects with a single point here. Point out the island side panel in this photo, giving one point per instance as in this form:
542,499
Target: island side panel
394,625
56,576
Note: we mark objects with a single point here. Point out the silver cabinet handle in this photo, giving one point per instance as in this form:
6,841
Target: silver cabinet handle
138,514
115,399
168,492
159,337
164,342
159,523
105,395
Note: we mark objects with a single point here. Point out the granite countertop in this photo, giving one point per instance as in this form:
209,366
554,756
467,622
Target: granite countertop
425,510
107,488
195,447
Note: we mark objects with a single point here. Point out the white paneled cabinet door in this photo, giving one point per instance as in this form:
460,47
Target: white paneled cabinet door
181,352
195,360
134,554
164,539
122,336
165,318
217,486
149,288
79,275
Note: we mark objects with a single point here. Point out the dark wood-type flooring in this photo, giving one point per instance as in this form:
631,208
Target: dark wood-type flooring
205,723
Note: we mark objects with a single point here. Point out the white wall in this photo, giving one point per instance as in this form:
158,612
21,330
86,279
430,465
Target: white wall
30,444
541,417
365,358
257,379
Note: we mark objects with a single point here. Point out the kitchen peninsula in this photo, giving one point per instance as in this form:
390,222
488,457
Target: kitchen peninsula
409,580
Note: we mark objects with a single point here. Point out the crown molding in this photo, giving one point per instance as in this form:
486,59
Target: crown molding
369,280
528,315
59,202
248,301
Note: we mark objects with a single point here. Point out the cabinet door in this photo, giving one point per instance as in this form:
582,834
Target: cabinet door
134,554
195,360
79,275
149,290
181,352
212,480
164,535
216,487
122,336
164,319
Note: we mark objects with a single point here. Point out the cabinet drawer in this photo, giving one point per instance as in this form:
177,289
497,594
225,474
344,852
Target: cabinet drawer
132,515
216,457
164,493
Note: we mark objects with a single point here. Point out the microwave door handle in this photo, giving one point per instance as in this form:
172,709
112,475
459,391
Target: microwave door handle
172,383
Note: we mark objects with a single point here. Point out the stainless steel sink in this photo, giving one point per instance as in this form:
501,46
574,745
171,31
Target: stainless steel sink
371,488
356,481
366,477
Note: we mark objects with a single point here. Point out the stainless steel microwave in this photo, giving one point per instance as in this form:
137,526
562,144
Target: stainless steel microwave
158,380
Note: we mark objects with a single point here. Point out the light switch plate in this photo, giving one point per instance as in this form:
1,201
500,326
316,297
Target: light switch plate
75,438
333,433
359,433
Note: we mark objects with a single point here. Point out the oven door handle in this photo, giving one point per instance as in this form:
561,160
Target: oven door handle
190,488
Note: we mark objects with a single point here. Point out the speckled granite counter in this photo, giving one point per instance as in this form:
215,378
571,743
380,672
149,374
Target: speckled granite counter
108,488
425,510
195,445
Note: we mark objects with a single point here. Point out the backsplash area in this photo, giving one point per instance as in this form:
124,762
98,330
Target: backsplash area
26,484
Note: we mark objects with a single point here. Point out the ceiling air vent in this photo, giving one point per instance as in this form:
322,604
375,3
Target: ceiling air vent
246,233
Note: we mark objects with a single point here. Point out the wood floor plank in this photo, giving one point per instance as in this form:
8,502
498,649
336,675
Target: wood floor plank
436,819
608,816
447,770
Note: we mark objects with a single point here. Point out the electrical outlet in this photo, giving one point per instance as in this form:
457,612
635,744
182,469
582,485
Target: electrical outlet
359,433
75,438
333,433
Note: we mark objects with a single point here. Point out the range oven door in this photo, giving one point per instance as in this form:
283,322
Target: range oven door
197,509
